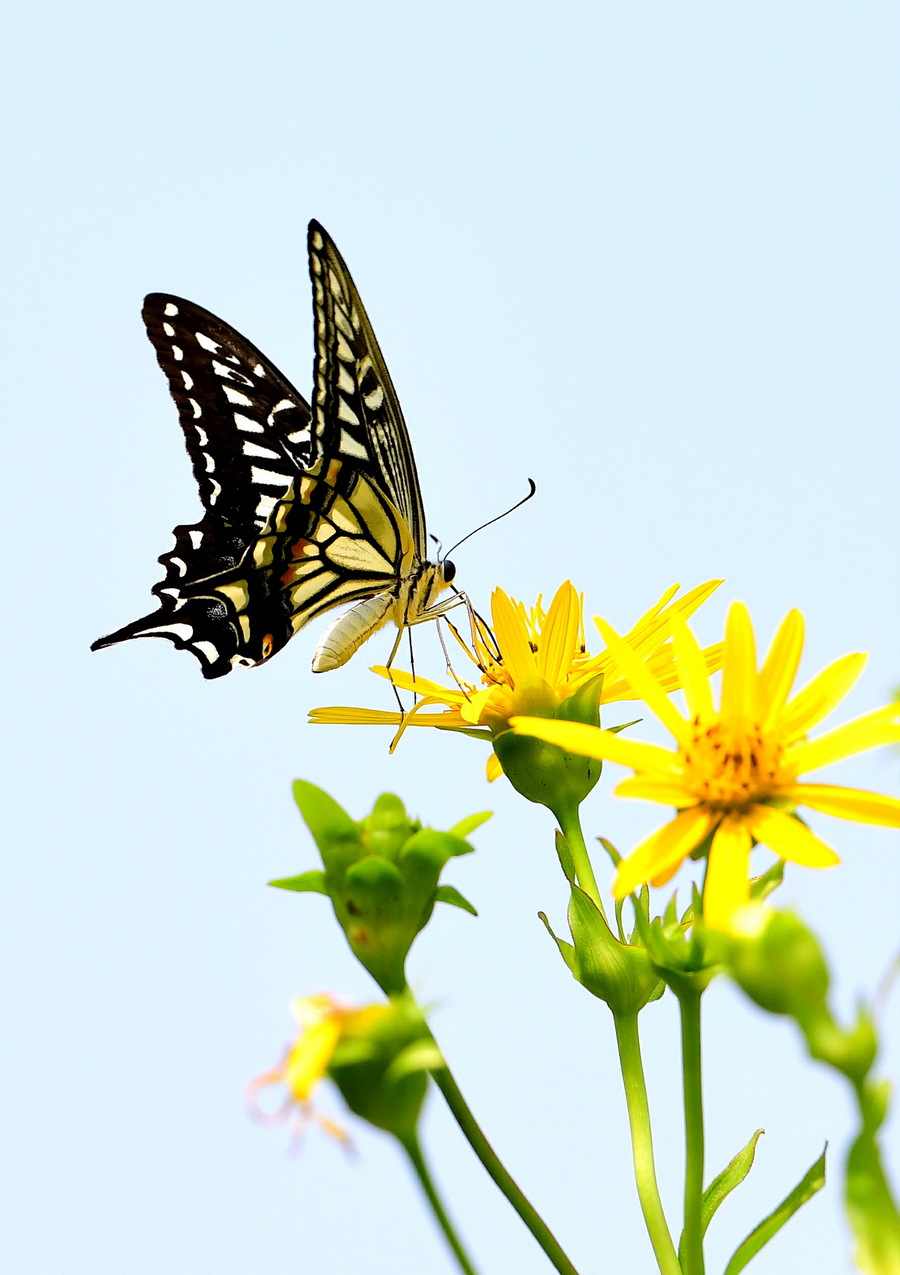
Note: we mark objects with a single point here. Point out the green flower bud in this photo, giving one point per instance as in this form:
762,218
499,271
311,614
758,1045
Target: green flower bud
381,874
542,772
381,1065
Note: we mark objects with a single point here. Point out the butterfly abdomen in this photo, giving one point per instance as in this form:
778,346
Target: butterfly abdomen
341,639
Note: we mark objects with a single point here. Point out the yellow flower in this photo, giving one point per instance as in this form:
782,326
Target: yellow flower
322,1023
531,658
734,775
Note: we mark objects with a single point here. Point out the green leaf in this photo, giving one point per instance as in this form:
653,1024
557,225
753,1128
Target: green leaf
811,1182
722,1185
450,894
470,823
312,882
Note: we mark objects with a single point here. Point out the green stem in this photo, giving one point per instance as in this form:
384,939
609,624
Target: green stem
488,1157
570,826
642,1143
691,1062
414,1151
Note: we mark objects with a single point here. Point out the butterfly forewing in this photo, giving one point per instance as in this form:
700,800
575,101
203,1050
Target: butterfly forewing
354,402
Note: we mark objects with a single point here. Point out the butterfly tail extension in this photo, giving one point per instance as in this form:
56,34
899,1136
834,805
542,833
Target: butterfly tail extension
192,628
346,635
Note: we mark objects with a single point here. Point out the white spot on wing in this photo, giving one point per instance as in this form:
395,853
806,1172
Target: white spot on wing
265,505
207,649
375,399
259,370
179,565
196,537
206,342
183,631
210,463
350,447
215,491
247,424
196,406
178,352
202,436
235,396
269,478
170,308
254,449
188,380
345,412
168,329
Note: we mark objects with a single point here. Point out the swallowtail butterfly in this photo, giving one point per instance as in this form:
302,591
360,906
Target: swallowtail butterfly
305,508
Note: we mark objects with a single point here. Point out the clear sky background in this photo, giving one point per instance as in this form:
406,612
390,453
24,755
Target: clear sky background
646,254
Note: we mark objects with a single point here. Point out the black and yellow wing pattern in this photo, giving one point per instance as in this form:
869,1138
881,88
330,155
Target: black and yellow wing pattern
305,508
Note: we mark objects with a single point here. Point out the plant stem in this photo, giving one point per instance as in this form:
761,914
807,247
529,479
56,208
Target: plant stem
488,1157
570,825
414,1151
691,1062
642,1143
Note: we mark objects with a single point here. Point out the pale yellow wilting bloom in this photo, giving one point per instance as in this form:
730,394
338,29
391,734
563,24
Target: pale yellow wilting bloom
734,775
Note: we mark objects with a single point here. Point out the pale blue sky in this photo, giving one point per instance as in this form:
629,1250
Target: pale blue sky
644,253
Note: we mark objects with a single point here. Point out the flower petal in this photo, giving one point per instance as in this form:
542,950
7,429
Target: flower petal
559,635
819,696
740,680
869,731
643,681
650,788
777,674
848,803
492,768
789,838
420,685
663,850
693,672
591,741
727,885
512,638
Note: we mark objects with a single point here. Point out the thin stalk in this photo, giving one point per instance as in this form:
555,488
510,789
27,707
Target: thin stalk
414,1151
691,1062
570,826
488,1157
632,1066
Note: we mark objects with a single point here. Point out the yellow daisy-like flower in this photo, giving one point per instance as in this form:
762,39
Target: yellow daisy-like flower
323,1022
530,656
734,775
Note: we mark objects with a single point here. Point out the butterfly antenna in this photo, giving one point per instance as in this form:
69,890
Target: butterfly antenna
532,485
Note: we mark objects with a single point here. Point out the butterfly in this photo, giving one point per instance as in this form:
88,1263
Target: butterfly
305,507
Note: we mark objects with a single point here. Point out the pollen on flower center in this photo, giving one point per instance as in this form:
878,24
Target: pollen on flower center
728,766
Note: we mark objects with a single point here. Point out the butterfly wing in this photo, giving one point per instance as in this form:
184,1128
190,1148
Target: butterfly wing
249,436
356,411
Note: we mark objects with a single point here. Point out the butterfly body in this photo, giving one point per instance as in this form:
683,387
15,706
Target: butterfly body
305,507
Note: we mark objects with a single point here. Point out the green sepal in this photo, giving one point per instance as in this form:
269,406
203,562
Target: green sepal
469,824
312,882
811,1182
450,894
722,1185
566,950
